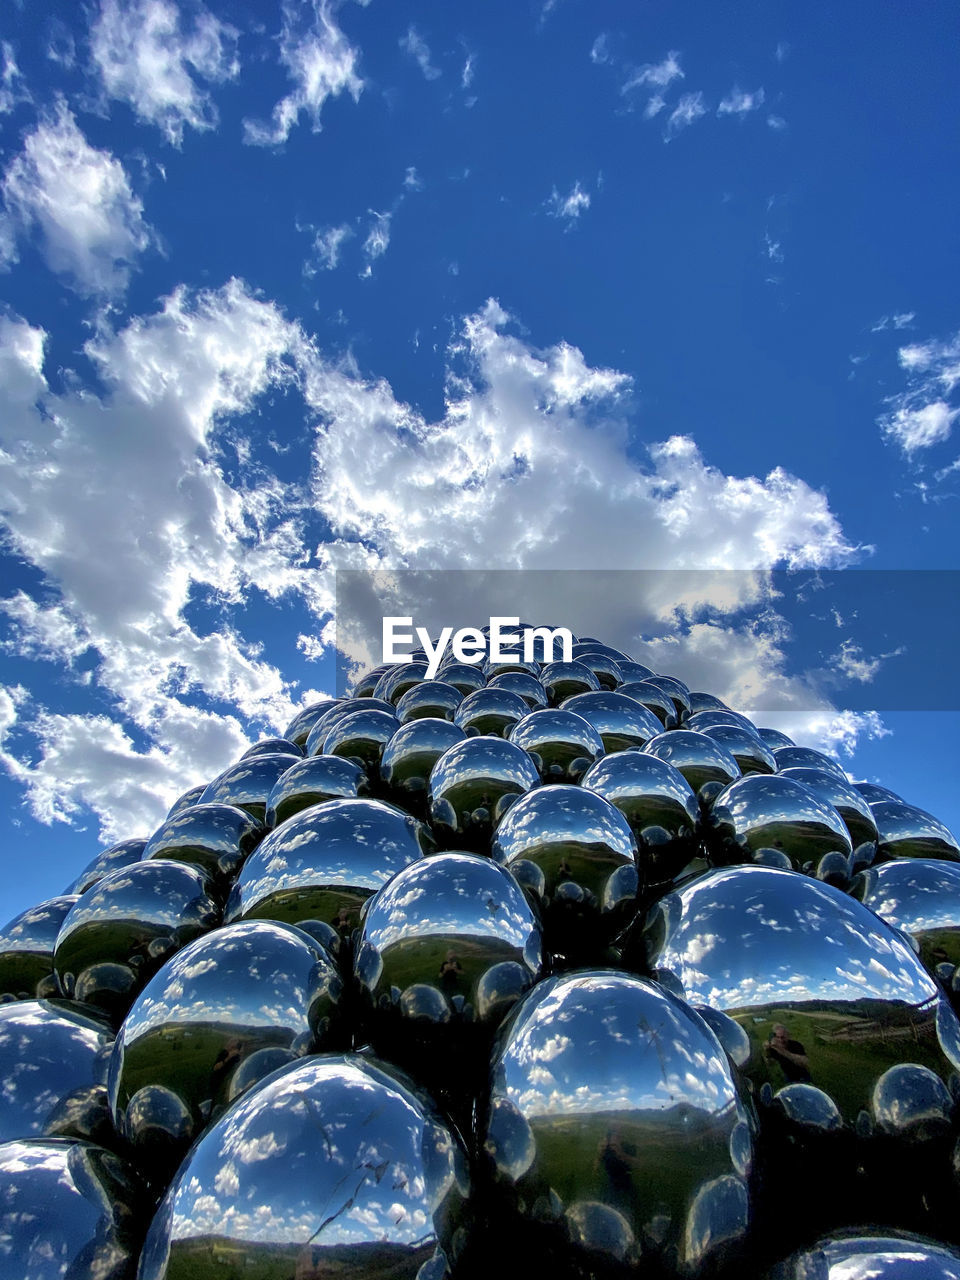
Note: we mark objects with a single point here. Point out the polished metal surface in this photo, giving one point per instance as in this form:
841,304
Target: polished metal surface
188,798
677,691
362,736
462,676
311,781
828,994
365,684
561,744
116,936
445,951
745,746
774,739
274,746
621,721
844,797
562,680
874,794
526,686
701,701
490,711
655,699
576,852
904,831
433,698
773,812
397,679
606,669
299,727
314,745
333,1166
615,1128
920,896
26,950
53,1064
658,804
710,718
248,783
204,1023
409,757
866,1255
519,665
588,644
700,758
472,785
325,861
806,758
214,837
68,1211
118,855
631,672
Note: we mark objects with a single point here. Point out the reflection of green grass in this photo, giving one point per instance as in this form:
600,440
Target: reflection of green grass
419,959
215,1257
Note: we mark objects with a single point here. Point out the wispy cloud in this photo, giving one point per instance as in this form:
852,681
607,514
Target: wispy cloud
901,320
655,74
377,241
687,111
321,62
145,58
600,49
570,206
13,90
468,72
418,49
738,103
325,254
923,414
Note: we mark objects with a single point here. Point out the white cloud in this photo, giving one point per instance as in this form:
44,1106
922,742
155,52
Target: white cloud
321,62
418,49
146,59
570,206
922,415
688,110
772,248
738,103
412,180
901,320
327,243
12,88
776,123
600,49
80,201
658,75
468,72
377,241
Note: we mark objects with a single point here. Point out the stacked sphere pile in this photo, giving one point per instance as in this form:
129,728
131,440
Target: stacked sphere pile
530,967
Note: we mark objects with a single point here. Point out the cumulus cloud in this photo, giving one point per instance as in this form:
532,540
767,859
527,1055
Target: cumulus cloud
570,206
923,414
321,62
418,49
145,58
79,201
122,499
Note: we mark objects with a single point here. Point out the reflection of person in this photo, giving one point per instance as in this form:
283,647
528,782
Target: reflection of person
564,871
450,972
225,1061
789,1054
342,920
617,1159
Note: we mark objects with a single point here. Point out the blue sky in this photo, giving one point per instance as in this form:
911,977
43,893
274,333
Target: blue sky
540,285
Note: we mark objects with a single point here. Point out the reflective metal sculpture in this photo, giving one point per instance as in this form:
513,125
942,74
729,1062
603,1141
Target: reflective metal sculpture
356,1173
248,783
700,758
528,687
324,862
490,711
68,1209
658,804
118,934
606,1140
827,993
273,746
904,831
921,897
26,950
396,680
805,758
312,781
251,995
472,785
774,812
53,1063
299,727
188,798
746,747
316,738
677,691
118,855
622,722
848,1255
564,679
774,739
214,837
362,736
561,744
844,797
433,698
409,757
655,700
605,668
462,676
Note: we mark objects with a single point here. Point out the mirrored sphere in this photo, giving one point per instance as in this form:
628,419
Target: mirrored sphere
472,785
582,855
299,727
490,711
188,798
314,745
605,668
827,993
562,680
588,644
920,896
462,676
433,698
362,736
521,683
701,701
118,855
745,747
397,679
852,1255
325,861
903,831
621,721
445,951
561,744
249,987
357,1174
656,701
68,1211
515,665
312,781
710,719
409,757
118,934
873,793
601,1137
248,783
773,812
366,683
774,739
215,837
53,1062
677,691
26,950
806,758
847,801
273,746
658,804
631,672
697,756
